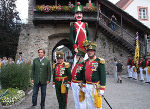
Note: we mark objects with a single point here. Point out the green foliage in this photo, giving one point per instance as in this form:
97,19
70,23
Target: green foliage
15,76
10,26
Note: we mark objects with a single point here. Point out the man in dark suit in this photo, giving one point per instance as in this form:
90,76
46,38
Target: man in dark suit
41,75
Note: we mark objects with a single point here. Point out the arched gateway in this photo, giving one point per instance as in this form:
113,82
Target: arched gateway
62,39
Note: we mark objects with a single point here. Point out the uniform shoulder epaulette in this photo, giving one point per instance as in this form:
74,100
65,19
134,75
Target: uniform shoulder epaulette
54,65
102,61
67,65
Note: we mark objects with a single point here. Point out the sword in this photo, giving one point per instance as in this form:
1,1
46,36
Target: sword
107,102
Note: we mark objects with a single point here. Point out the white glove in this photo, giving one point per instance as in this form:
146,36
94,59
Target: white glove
67,85
83,89
101,92
53,86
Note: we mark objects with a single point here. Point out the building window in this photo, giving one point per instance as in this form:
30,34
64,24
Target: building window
143,13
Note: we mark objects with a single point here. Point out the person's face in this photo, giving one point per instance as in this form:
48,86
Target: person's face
19,57
59,60
91,53
119,61
41,53
79,16
10,59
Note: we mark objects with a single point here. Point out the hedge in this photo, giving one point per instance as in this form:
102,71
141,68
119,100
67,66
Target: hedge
15,76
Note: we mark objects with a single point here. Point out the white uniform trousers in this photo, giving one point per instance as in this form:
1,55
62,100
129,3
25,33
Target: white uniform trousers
129,71
89,98
134,73
75,90
147,75
141,73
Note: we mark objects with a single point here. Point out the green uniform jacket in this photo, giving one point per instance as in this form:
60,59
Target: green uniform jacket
144,62
67,72
41,71
97,75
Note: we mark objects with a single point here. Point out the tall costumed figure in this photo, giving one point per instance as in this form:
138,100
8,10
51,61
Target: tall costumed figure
78,33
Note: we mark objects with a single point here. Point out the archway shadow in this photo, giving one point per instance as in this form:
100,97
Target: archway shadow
64,42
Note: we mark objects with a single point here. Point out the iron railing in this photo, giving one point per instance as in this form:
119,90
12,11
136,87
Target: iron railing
123,33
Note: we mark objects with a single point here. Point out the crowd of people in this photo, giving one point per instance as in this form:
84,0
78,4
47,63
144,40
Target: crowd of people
4,61
140,72
137,72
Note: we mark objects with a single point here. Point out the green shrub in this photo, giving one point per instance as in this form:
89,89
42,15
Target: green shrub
15,76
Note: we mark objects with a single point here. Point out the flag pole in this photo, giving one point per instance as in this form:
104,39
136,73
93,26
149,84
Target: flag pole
136,57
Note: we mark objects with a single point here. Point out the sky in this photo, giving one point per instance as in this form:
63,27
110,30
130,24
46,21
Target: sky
22,7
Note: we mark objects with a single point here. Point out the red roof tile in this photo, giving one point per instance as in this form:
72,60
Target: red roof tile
123,4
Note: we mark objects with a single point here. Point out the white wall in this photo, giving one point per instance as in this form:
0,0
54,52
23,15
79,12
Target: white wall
132,9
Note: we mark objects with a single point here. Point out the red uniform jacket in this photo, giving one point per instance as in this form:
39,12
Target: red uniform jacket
147,61
77,68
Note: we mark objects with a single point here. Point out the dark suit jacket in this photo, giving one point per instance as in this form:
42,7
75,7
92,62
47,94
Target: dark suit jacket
41,71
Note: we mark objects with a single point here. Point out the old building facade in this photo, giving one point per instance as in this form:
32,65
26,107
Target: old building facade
48,31
139,9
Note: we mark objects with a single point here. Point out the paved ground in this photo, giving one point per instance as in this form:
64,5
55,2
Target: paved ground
130,94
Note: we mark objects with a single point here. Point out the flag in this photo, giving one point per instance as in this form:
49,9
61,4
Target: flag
136,57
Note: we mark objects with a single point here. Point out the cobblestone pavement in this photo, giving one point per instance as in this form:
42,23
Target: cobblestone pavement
131,94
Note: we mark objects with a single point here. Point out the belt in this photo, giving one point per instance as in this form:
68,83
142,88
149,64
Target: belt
88,82
61,78
75,81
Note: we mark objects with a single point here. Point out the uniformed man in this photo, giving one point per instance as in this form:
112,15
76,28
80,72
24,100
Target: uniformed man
94,75
147,68
78,32
129,62
141,68
61,79
134,70
75,83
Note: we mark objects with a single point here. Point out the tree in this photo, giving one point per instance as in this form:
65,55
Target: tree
10,25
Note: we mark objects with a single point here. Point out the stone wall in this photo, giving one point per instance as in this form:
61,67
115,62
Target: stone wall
33,38
108,50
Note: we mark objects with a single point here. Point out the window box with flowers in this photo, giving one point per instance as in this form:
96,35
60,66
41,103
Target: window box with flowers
49,8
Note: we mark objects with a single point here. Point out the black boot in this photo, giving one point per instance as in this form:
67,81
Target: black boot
120,81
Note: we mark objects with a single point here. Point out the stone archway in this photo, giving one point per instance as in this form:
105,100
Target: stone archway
56,40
